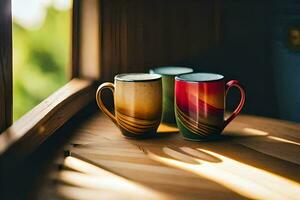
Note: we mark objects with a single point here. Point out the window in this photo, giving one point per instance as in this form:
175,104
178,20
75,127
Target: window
41,50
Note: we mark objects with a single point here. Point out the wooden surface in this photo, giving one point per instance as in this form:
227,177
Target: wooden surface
257,158
140,34
86,36
5,64
27,133
90,36
75,60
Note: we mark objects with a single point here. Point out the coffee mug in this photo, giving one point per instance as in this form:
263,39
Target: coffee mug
168,74
137,103
200,103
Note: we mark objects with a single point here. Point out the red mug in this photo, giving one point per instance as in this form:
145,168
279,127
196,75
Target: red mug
200,104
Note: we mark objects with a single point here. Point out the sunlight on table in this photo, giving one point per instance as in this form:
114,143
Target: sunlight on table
90,179
241,178
167,128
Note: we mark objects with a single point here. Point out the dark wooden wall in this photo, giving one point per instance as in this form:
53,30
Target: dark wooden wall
140,34
245,54
227,37
5,64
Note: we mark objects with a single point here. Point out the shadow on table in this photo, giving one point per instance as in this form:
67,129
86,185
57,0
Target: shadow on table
252,163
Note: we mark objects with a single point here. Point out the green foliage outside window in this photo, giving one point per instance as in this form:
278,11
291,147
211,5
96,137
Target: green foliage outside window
40,59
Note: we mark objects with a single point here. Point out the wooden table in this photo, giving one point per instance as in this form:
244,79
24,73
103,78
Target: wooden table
257,158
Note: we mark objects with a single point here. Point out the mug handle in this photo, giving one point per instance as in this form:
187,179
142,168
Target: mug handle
230,84
100,102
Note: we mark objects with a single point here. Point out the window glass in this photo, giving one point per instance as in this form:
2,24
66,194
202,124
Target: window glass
41,50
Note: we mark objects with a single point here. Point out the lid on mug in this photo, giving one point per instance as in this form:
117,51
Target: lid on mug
137,77
200,77
171,70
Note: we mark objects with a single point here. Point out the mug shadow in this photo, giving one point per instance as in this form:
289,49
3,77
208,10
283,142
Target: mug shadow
234,174
261,150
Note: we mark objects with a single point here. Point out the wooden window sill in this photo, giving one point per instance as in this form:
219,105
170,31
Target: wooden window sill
27,133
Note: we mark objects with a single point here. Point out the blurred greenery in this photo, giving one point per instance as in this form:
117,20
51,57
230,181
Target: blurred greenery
40,58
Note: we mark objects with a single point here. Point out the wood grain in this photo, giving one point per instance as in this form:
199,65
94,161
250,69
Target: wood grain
254,151
5,64
19,141
138,35
86,36
75,39
27,133
90,36
207,35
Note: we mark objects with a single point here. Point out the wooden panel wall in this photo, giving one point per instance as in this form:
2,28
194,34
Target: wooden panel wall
245,54
5,64
140,34
227,37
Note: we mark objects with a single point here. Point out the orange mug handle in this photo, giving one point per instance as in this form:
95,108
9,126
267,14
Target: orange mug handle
230,84
100,102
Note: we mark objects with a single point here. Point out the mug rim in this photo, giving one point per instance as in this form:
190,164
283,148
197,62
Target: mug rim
155,70
155,77
180,78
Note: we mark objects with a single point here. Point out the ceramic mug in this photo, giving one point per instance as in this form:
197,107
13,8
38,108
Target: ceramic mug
137,103
200,104
168,74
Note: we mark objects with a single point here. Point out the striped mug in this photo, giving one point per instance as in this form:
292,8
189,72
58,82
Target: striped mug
200,103
137,103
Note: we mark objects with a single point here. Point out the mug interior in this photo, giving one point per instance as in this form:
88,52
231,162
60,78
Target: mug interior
137,77
200,77
171,70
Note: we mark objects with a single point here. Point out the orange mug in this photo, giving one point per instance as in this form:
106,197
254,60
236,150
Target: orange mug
137,102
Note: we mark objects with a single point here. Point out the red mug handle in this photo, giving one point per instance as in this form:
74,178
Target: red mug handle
230,84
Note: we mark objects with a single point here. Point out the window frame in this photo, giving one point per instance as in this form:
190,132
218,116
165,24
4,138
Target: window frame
5,65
